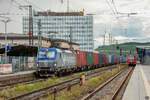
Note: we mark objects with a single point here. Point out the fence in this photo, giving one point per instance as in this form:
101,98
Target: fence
20,63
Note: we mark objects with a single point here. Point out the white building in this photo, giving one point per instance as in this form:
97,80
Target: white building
66,24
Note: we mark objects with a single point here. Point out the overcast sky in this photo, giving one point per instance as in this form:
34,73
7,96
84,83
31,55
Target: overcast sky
123,27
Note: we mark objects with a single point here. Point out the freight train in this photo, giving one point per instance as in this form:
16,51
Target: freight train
58,61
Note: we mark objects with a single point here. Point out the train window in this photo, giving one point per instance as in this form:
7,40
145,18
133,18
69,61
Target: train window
50,54
60,55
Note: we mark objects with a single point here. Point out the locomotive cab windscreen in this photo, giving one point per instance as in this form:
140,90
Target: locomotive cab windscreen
47,54
46,57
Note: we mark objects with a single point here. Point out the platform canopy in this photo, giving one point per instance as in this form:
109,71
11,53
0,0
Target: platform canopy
20,50
143,47
144,54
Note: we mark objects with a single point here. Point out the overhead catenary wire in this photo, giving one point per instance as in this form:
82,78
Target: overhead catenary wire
9,13
115,8
112,9
10,7
33,5
17,4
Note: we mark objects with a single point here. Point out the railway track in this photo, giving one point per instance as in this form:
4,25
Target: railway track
12,80
9,82
57,87
2,87
110,89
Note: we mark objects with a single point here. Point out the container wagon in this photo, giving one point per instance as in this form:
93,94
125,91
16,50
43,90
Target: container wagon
89,58
96,59
81,61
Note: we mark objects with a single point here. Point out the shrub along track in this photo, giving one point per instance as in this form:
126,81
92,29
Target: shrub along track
8,86
57,87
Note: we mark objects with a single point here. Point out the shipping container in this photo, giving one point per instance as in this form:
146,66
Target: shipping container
105,59
101,59
110,59
95,58
81,58
117,59
113,59
89,57
123,59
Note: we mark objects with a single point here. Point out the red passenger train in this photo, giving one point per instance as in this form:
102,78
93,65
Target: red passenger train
131,59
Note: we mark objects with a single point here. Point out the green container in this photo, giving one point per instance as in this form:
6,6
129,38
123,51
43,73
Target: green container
101,59
89,57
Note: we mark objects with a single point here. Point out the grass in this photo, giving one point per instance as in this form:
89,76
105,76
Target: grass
77,91
24,88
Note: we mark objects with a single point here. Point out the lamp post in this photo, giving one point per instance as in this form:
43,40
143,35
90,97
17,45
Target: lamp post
5,22
39,34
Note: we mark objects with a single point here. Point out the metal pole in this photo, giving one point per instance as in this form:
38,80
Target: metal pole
71,38
30,25
39,34
5,22
6,42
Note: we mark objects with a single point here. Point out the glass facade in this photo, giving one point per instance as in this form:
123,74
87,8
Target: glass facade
80,28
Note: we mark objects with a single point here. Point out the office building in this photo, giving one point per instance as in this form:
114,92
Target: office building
71,26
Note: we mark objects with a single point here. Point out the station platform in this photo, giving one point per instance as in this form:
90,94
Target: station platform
17,73
139,85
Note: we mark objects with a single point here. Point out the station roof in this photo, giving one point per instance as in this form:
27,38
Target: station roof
143,47
26,36
21,50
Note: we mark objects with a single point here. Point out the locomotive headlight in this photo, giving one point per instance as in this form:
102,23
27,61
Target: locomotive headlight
55,64
37,65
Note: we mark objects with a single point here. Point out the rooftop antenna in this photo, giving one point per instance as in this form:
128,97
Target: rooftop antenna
68,3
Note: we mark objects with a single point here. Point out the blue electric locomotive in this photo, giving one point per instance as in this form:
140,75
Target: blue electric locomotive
53,60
